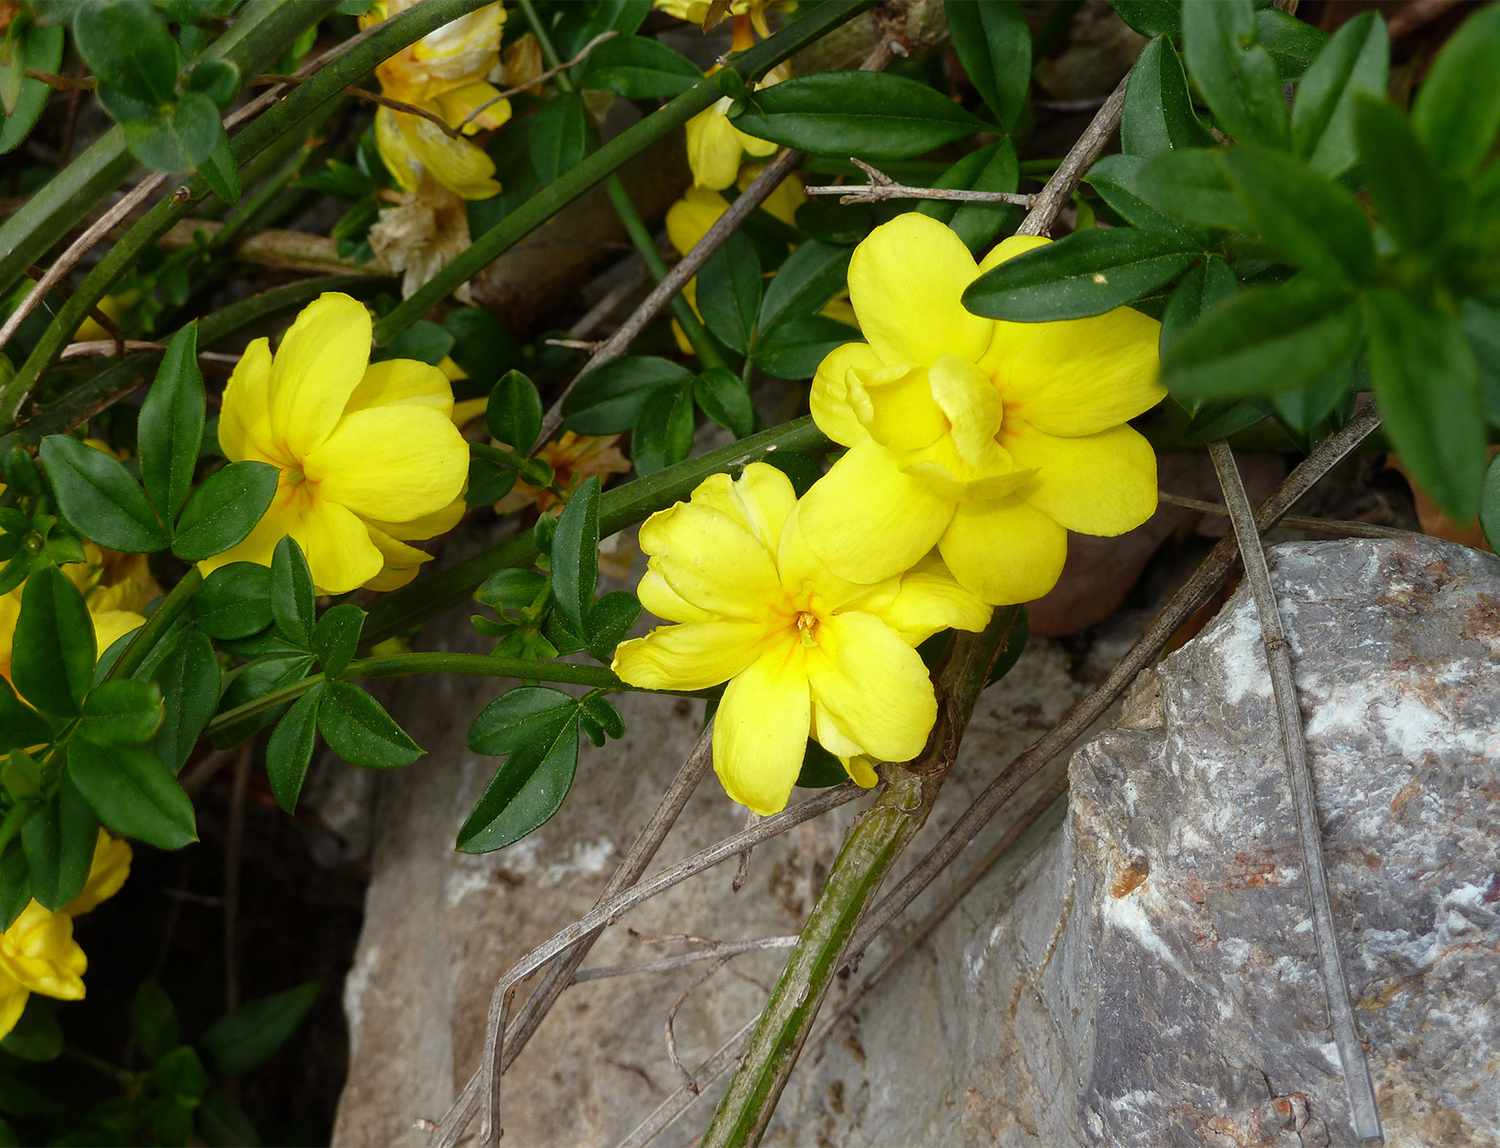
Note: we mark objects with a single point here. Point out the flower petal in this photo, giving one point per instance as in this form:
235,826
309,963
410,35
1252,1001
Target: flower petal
689,219
460,166
427,526
316,368
396,151
895,405
711,560
803,572
459,103
831,408
401,561
759,500
929,599
107,872
657,596
1102,483
906,281
245,415
39,952
867,520
403,382
760,731
391,464
691,656
971,404
714,147
112,625
1004,552
873,685
335,541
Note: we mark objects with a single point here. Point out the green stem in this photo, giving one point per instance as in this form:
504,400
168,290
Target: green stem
262,132
619,507
178,599
876,841
488,246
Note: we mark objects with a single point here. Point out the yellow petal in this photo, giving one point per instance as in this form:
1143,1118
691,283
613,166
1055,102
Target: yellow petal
711,560
861,771
691,656
245,416
401,561
13,997
991,474
831,408
906,281
391,464
396,151
873,684
112,625
403,382
930,599
754,145
760,731
427,526
1009,248
336,542
803,572
782,203
107,872
896,407
689,219
460,166
867,520
714,147
759,500
318,365
1004,552
657,596
459,103
971,404
1102,484
39,952
466,411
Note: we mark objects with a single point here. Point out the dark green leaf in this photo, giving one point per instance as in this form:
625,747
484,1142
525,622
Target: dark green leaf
154,1020
1192,187
170,431
980,224
292,602
1014,645
725,399
224,509
728,294
179,136
511,589
189,681
181,1073
1264,339
488,481
1308,219
357,728
1117,180
481,344
609,399
37,1037
575,555
1197,293
1489,505
514,411
1482,327
336,637
124,711
133,793
128,47
664,433
812,275
1305,408
58,841
220,1120
99,498
39,49
796,347
424,341
15,885
220,171
599,708
1457,110
525,792
1293,43
1236,75
1427,389
522,716
558,136
1352,63
20,725
638,68
235,601
1158,114
1150,17
249,1036
290,748
820,769
873,115
52,663
610,620
994,46
1087,273
1224,420
1403,183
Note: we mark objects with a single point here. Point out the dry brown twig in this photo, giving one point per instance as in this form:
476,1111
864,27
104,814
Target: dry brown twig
1333,527
541,78
882,188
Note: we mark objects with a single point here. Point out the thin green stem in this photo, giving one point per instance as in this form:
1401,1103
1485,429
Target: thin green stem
178,599
598,165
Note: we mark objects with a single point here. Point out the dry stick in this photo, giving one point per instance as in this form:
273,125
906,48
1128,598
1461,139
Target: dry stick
380,99
1335,527
542,78
108,348
668,1026
1059,188
680,960
882,187
742,870
1363,1109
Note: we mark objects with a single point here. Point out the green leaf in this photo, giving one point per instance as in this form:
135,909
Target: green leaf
489,482
133,793
539,729
795,348
357,728
1482,327
336,637
602,712
1304,409
290,748
608,399
250,1036
189,680
664,433
1403,183
1237,76
520,717
52,660
1197,293
1086,273
424,340
1150,17
820,769
38,49
154,1022
1158,114
1308,219
99,498
638,68
1292,43
514,411
1353,62
873,115
235,601
610,620
217,78
1457,110
1224,420
224,509
728,294
128,47
1427,389
179,137
1489,505
1117,180
170,431
810,277
15,885
181,1073
994,46
511,589
980,224
37,1037
292,601
220,1120
557,137
58,841
124,711
1191,186
1264,339
725,399
220,171
1014,646
575,555
20,725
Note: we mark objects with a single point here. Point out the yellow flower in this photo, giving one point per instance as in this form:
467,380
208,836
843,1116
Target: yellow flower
805,652
748,15
38,953
113,307
988,439
574,459
447,72
369,457
715,146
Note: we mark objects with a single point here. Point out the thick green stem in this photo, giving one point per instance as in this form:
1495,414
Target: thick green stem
877,839
178,599
526,218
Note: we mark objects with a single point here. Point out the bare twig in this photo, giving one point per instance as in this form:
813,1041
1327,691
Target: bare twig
92,348
378,98
669,1031
705,953
1364,1112
506,93
590,320
742,870
489,1129
882,187
1059,188
1333,527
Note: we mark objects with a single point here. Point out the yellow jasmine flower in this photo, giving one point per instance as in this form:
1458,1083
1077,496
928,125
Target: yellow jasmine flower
805,652
574,459
38,953
715,146
113,307
369,456
990,440
748,15
447,72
